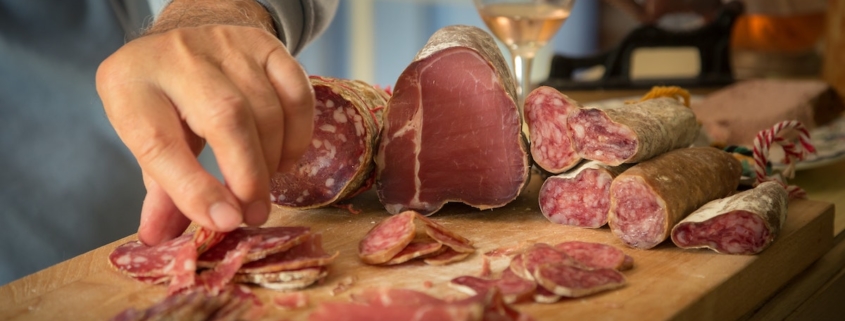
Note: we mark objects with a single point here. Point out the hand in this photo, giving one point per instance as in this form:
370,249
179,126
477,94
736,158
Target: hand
236,87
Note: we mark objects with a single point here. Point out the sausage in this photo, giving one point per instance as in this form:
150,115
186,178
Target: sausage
339,163
632,133
452,130
648,199
580,197
744,223
546,112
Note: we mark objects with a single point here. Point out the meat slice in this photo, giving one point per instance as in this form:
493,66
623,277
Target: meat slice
195,305
596,255
513,288
452,131
273,240
446,257
647,200
415,250
339,162
309,253
284,280
138,260
216,279
537,255
632,133
546,112
410,235
572,281
387,238
744,223
580,197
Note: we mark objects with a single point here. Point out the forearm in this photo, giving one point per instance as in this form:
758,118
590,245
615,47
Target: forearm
194,13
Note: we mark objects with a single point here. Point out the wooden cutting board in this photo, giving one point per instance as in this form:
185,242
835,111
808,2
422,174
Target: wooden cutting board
666,283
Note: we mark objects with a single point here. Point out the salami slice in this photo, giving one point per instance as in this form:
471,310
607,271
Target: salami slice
539,254
309,253
216,279
513,288
452,130
632,133
273,240
446,257
441,234
138,260
596,255
387,238
284,280
572,281
415,250
194,305
339,162
546,112
410,235
744,223
580,197
647,200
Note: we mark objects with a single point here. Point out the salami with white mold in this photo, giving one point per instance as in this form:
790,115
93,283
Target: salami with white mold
339,163
579,197
632,133
546,112
744,223
452,130
647,200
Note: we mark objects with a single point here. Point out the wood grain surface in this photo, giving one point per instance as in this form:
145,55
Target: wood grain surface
666,283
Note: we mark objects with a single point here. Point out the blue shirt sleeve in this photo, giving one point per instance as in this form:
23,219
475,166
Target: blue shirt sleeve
299,22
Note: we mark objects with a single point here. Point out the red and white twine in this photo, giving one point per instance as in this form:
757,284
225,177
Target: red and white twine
792,153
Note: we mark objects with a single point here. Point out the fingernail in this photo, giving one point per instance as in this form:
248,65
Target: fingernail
256,213
224,216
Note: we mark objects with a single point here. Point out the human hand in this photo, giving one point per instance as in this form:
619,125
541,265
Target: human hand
237,88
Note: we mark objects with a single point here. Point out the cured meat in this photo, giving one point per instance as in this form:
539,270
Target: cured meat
138,260
596,255
632,133
580,197
273,240
546,112
339,163
537,255
744,223
513,288
452,131
647,200
573,282
216,279
182,268
410,235
284,280
194,305
291,301
309,253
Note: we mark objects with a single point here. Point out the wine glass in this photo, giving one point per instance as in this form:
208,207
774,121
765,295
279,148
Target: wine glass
524,26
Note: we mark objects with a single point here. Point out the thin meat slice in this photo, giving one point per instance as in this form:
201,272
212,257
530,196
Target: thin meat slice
540,254
647,200
138,260
596,255
441,234
632,133
546,112
447,256
195,305
580,197
290,301
273,240
285,280
416,249
216,279
309,253
182,268
572,281
205,239
452,130
542,295
387,238
513,288
744,223
339,161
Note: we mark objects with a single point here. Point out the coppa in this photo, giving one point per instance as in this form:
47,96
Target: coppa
339,163
451,129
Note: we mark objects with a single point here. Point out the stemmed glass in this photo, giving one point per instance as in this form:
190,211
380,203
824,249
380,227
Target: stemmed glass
524,26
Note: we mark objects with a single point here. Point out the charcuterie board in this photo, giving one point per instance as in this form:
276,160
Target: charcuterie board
666,283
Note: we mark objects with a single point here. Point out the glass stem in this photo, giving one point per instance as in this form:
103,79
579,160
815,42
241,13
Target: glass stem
522,70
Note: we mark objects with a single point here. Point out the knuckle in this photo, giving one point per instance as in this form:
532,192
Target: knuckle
152,146
228,112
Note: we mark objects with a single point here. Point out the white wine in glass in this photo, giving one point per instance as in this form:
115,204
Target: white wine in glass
524,26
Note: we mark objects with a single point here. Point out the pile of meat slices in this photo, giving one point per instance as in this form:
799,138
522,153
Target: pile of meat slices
546,273
281,258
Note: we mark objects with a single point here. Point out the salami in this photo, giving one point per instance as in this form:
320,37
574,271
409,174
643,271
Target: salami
410,235
309,253
537,255
513,288
546,112
572,281
596,255
339,163
580,197
647,200
273,240
215,280
452,130
387,238
138,260
632,133
284,280
744,223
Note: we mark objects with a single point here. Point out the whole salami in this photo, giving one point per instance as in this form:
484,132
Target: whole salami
647,200
632,133
744,223
580,197
546,112
339,163
452,131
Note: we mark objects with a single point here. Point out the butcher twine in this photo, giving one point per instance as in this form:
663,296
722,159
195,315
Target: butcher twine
792,154
670,91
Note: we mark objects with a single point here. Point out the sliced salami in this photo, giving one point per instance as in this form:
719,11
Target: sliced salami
539,254
441,234
647,200
216,279
744,223
632,133
138,260
596,255
339,162
415,250
546,112
446,257
452,130
411,235
273,240
309,253
387,238
572,281
513,288
285,280
580,197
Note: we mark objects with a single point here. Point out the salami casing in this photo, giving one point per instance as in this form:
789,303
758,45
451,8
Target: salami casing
579,197
339,163
632,133
744,223
647,200
452,131
546,112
